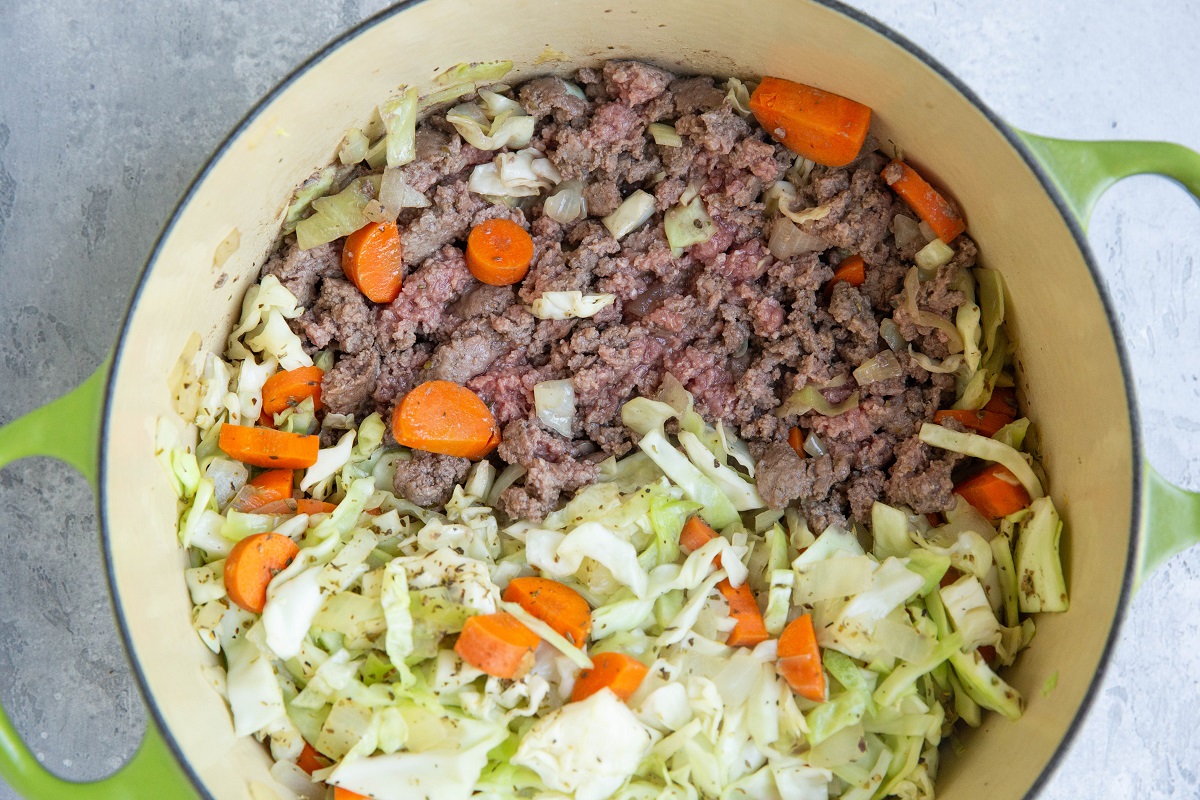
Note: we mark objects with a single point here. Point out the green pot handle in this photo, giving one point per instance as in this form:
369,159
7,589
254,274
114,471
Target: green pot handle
1083,171
69,429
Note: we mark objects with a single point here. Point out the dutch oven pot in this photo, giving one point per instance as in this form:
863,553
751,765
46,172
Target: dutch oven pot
1026,199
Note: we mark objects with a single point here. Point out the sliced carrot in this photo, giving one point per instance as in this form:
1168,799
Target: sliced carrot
296,505
750,628
1003,401
265,447
983,422
796,440
497,644
251,565
695,534
824,127
443,417
852,270
372,259
922,198
291,388
557,605
264,489
499,252
995,492
800,659
310,760
620,673
345,794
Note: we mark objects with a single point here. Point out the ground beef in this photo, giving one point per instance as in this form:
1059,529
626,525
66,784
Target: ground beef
347,387
301,270
739,328
428,479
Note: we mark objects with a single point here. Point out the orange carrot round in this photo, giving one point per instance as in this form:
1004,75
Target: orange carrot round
796,440
983,422
266,447
620,673
310,760
291,388
743,608
995,492
345,794
852,270
557,605
372,259
499,252
824,127
251,565
800,659
443,417
498,644
930,205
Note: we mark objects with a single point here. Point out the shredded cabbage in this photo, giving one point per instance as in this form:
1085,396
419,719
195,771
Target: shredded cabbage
972,444
554,402
689,224
633,212
570,305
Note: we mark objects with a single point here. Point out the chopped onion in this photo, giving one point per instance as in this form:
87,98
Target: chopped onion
891,335
806,214
574,90
787,240
507,477
496,104
630,215
927,232
507,130
566,203
882,367
906,230
555,405
810,399
570,305
354,147
665,135
800,171
949,364
933,255
814,445
779,194
375,212
395,194
738,96
689,224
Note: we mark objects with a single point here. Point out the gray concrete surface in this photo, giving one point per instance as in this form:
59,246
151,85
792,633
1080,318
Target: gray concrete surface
107,111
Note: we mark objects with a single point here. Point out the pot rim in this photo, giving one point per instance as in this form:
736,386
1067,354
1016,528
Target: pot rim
1004,130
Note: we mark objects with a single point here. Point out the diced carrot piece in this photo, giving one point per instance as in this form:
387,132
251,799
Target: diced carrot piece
983,422
800,659
251,565
291,388
750,629
922,198
557,605
265,447
498,644
618,672
443,417
796,440
995,492
824,127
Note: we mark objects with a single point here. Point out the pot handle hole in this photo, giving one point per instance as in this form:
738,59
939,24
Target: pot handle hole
69,429
1083,171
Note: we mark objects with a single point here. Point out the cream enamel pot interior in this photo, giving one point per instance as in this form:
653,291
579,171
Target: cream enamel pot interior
1091,451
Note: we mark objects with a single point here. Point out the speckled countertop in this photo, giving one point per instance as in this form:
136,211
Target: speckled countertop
107,111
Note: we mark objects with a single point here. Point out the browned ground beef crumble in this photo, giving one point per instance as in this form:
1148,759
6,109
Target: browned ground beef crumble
740,329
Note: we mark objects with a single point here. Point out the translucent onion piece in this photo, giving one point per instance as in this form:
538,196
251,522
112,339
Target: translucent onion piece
630,215
800,171
927,232
395,194
779,194
805,214
906,230
566,204
555,405
665,135
884,366
738,96
787,240
891,335
810,399
947,365
814,445
570,305
927,319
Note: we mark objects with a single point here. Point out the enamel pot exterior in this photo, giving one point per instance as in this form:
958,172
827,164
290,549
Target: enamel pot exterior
1070,369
